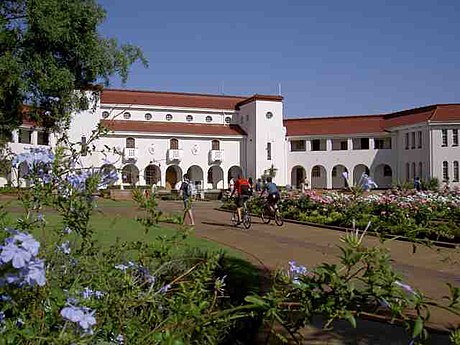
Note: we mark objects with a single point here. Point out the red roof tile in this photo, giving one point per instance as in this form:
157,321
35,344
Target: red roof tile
372,123
172,127
171,99
335,125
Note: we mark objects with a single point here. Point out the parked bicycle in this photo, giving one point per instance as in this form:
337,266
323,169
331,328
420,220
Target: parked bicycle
269,213
246,217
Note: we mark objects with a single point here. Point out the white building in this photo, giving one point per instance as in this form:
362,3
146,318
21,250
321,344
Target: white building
163,135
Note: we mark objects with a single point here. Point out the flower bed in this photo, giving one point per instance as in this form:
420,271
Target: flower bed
428,215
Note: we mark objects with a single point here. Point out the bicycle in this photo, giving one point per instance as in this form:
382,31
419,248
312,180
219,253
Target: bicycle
246,221
267,214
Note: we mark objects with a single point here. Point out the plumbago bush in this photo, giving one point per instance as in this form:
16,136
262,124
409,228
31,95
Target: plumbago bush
363,282
62,287
429,215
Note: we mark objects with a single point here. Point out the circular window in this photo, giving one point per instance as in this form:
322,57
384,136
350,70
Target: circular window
228,119
148,116
105,114
208,118
189,118
127,116
269,115
168,117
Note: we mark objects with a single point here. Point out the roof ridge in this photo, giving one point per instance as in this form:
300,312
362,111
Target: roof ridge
175,93
334,117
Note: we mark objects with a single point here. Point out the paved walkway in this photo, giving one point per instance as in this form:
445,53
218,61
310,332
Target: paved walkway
428,269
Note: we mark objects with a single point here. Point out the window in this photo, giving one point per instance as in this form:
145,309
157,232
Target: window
148,116
456,177
315,145
455,137
298,145
215,145
379,144
228,119
84,146
414,172
344,145
316,171
25,136
127,116
387,171
174,144
130,143
269,151
169,117
42,138
412,146
105,114
269,115
407,141
419,139
444,137
407,171
420,170
189,118
364,143
208,118
445,171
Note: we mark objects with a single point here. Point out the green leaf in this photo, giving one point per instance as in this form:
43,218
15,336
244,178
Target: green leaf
255,300
418,327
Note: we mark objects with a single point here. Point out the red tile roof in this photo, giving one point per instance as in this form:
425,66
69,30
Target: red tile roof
335,125
372,123
170,99
172,127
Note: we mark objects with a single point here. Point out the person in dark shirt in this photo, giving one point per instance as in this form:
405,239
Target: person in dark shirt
186,192
273,194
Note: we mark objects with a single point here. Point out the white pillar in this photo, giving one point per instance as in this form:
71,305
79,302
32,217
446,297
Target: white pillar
328,144
34,138
349,144
15,136
329,178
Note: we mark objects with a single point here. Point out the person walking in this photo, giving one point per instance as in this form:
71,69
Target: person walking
186,192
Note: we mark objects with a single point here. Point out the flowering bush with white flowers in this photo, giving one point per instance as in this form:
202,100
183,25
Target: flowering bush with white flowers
431,215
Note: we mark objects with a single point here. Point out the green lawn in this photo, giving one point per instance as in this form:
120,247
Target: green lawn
113,220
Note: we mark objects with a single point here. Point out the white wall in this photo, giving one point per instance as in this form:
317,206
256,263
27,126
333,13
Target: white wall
440,154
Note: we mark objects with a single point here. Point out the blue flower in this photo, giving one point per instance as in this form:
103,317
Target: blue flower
165,288
28,243
405,287
19,322
81,315
65,247
67,230
19,256
119,339
5,298
122,267
34,273
2,317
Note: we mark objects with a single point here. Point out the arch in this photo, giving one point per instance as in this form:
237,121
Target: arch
152,174
174,144
195,174
130,143
318,177
338,181
215,145
234,171
216,177
383,175
358,172
298,175
130,174
173,176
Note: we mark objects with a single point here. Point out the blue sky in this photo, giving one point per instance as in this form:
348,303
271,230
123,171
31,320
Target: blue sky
332,57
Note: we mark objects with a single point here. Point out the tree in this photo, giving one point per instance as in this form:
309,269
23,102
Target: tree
48,50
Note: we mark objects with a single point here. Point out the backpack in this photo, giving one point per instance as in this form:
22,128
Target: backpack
245,188
187,189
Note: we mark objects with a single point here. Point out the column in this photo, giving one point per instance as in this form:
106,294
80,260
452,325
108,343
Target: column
34,138
329,178
328,144
15,136
350,144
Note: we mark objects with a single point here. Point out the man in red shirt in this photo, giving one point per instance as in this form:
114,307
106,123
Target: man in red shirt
243,189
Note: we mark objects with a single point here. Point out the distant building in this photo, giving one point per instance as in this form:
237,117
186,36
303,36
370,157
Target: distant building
163,135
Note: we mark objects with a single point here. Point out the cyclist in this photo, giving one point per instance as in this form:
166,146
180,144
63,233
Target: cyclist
243,189
273,194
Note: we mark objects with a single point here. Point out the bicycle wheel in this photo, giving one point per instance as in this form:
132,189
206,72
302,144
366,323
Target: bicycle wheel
264,217
278,219
234,219
246,221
